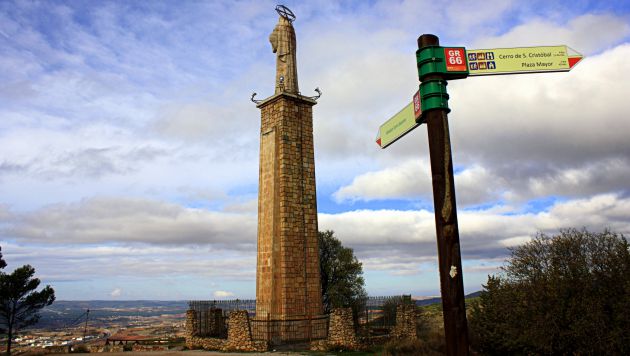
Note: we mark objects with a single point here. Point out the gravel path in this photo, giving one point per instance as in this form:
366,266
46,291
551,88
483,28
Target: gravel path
198,353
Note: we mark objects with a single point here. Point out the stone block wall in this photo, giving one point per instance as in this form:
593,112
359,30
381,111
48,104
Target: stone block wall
97,348
341,333
191,322
239,334
406,322
206,343
194,341
146,348
106,348
58,349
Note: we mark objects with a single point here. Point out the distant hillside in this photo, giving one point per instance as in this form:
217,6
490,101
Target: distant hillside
63,313
436,300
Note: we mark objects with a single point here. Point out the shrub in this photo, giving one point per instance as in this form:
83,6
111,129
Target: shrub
565,294
406,347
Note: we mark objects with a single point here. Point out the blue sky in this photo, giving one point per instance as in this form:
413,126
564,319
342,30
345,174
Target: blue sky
129,165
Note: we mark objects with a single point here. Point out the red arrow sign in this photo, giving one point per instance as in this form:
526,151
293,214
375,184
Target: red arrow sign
574,60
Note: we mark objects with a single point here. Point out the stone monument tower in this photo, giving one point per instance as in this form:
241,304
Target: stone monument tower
287,275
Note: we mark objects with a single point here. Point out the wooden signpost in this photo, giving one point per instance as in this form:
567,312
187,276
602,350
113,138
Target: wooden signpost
437,65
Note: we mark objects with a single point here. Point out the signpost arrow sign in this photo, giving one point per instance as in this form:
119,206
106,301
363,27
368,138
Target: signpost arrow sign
521,60
400,124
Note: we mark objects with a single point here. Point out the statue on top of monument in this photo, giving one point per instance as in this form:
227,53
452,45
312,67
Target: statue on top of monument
283,44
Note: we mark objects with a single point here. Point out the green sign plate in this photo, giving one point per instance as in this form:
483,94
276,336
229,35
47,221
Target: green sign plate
520,60
396,127
400,124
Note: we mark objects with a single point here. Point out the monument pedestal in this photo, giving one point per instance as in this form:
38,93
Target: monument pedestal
288,279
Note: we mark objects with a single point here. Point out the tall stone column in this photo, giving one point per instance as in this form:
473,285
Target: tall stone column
287,276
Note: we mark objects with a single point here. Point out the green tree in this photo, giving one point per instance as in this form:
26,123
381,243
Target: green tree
2,263
564,294
341,275
19,302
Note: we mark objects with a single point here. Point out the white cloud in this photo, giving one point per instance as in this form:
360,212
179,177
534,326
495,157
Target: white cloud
515,241
132,261
389,240
405,181
412,180
197,121
129,141
5,213
103,220
587,34
246,207
595,177
544,121
466,16
538,137
379,227
221,294
90,152
117,292
484,233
